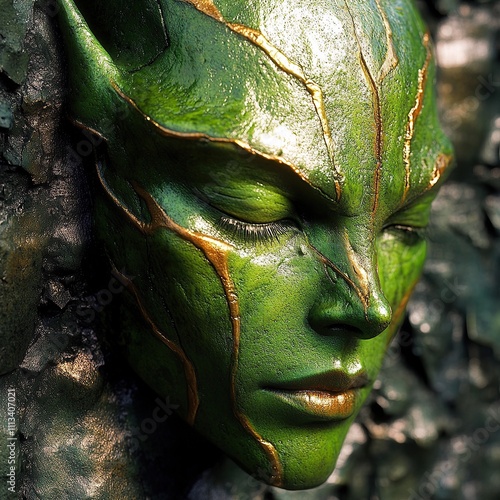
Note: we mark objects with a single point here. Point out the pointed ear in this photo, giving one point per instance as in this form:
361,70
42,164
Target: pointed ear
91,70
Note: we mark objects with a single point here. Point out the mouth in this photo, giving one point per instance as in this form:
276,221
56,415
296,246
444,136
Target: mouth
331,396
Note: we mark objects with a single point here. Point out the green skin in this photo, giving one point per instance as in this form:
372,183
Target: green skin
276,208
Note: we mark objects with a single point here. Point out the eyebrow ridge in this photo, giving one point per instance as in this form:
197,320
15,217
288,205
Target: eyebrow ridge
200,136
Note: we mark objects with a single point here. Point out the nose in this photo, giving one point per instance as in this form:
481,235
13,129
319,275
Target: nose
348,308
378,313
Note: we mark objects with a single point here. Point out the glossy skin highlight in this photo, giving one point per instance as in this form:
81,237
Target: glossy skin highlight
273,218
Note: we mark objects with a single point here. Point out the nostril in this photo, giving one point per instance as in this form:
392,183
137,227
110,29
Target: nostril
354,319
365,331
344,329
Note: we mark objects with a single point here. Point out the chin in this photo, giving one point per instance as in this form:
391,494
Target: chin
306,482
307,456
309,475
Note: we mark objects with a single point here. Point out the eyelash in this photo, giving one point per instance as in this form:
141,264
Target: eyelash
255,233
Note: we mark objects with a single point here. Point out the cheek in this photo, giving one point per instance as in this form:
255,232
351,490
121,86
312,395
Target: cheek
276,291
196,293
400,267
182,296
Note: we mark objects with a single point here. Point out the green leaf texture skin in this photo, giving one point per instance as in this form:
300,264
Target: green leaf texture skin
266,178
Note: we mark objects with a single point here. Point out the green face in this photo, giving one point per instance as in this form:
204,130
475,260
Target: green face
268,191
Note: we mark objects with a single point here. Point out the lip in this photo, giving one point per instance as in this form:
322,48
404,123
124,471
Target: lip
329,396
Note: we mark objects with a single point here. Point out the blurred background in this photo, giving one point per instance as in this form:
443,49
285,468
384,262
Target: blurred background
432,427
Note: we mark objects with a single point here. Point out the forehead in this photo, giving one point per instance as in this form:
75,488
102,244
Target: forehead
339,92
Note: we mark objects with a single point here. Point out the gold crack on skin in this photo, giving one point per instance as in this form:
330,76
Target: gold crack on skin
442,163
200,136
189,372
391,58
378,137
142,226
79,124
208,8
328,270
313,88
288,66
377,117
414,114
328,263
360,272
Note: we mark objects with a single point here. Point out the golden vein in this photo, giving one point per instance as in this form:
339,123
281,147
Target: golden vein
391,59
359,271
208,8
313,88
378,133
216,253
328,263
442,163
377,117
288,66
414,113
189,372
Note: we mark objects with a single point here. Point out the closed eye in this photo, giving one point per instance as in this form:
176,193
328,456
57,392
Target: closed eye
410,235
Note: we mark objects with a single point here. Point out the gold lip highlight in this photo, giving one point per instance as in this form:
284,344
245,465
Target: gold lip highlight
323,405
